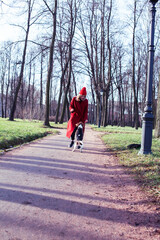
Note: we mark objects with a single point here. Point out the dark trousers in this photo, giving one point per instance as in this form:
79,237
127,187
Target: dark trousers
73,134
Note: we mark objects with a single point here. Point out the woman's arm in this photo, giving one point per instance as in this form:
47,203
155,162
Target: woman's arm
71,107
85,114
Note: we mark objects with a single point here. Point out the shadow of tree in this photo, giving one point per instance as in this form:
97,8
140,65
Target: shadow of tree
79,208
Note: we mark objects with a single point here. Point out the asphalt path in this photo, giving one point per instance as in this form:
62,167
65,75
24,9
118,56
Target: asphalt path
48,192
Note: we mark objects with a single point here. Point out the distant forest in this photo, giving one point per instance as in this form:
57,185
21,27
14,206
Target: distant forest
64,45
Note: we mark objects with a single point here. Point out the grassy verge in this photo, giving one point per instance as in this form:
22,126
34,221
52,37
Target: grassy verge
115,129
21,131
146,168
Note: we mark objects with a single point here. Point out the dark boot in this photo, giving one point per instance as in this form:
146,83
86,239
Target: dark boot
71,144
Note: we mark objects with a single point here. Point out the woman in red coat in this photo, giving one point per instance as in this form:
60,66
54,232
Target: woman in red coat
79,114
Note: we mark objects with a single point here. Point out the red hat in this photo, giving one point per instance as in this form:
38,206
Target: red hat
83,91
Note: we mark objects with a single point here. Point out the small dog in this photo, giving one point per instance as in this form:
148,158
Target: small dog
79,135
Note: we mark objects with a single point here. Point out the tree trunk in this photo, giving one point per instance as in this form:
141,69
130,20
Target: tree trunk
66,91
7,88
157,127
135,94
33,92
60,91
2,94
13,108
50,68
73,18
108,84
41,88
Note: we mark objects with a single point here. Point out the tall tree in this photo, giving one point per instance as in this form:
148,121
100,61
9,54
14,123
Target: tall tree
137,11
41,86
50,63
157,127
96,31
71,30
3,73
30,4
136,116
107,83
64,58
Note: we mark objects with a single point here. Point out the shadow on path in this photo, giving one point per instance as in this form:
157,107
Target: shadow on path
66,169
78,208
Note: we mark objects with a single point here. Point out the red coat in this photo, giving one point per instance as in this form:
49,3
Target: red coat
80,114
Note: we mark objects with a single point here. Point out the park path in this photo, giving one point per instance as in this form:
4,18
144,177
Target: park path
48,192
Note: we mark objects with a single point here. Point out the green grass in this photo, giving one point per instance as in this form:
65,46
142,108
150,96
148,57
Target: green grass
13,133
146,168
115,129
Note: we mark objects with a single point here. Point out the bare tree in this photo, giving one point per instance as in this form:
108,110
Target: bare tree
97,40
3,73
63,55
9,53
71,30
50,64
157,127
41,86
107,83
30,4
135,81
